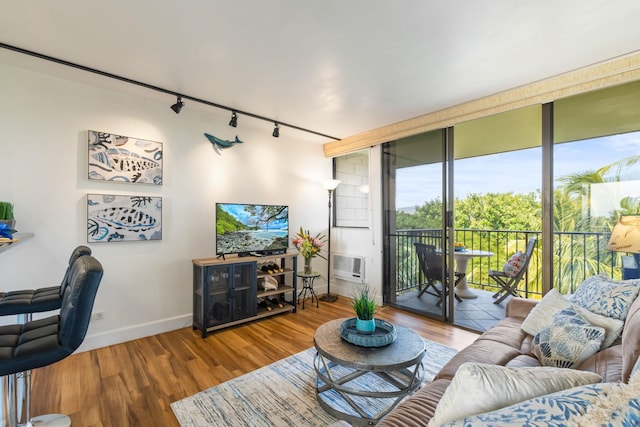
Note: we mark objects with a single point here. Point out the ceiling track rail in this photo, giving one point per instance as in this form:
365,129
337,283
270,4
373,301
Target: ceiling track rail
158,89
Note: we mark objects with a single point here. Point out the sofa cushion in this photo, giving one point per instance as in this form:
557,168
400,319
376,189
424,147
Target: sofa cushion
568,341
619,407
607,363
523,361
612,327
541,315
494,387
554,409
418,409
631,340
507,332
608,297
481,351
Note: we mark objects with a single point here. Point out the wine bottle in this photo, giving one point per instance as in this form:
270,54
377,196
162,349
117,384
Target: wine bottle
274,301
263,304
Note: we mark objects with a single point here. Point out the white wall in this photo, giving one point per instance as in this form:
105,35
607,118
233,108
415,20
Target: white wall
365,242
146,287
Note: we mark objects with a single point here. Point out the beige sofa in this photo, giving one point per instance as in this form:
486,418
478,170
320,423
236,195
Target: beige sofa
507,345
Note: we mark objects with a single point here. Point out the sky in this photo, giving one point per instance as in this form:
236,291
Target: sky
516,171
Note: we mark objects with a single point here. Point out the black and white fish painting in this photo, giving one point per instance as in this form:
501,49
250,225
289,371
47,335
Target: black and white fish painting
124,159
122,218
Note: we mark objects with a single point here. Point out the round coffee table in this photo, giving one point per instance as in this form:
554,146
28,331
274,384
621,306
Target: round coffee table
362,384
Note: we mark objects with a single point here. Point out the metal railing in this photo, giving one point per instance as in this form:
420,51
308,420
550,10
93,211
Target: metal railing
577,255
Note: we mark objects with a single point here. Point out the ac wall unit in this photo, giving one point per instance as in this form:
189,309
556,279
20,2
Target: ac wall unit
348,267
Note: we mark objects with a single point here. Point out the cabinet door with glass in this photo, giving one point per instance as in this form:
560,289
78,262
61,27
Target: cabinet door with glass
223,294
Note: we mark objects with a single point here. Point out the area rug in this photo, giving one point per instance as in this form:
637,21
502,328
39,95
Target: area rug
280,394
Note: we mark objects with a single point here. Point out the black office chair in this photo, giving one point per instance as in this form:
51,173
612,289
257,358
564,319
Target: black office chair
42,342
29,301
431,264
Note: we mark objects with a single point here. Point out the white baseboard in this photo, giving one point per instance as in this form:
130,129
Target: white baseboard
117,336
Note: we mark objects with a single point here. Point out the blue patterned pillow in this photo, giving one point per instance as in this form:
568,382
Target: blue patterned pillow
608,297
568,341
554,410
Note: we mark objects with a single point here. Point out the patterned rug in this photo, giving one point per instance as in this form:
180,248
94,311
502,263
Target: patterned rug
280,394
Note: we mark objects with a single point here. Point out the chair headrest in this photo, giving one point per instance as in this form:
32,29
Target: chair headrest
77,303
77,253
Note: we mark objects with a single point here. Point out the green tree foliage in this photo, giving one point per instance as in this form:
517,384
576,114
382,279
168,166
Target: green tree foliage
491,211
499,211
427,216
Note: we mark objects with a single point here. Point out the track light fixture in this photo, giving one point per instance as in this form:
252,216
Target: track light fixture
178,105
276,130
175,107
234,120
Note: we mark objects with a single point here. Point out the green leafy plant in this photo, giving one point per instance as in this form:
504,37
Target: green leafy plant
364,303
6,211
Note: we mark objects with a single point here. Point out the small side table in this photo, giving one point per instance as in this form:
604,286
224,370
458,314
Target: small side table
307,286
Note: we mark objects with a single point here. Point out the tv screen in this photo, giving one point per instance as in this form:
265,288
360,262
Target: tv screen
247,228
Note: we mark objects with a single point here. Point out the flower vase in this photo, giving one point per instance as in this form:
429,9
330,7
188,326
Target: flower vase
366,326
307,265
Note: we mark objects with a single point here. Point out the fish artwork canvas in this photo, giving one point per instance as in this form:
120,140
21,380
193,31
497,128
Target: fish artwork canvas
118,158
119,218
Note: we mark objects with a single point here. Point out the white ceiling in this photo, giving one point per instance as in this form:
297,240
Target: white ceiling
338,67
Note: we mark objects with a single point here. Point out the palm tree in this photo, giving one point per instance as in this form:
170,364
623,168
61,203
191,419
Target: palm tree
583,254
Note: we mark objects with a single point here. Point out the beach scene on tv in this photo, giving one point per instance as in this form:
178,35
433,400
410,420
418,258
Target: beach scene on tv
242,228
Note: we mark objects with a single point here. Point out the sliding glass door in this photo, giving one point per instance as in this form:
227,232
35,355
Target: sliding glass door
493,184
478,186
414,200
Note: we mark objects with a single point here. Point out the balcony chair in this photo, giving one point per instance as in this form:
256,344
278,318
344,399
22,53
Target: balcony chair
42,342
509,285
431,263
29,301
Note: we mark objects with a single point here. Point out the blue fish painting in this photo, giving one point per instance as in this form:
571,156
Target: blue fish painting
124,159
121,218
222,143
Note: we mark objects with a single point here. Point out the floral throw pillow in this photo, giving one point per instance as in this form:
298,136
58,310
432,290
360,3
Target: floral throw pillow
603,404
513,266
607,297
568,341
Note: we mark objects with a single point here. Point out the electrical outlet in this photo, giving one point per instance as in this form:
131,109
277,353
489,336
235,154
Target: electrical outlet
98,315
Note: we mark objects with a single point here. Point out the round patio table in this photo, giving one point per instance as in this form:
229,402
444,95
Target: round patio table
462,261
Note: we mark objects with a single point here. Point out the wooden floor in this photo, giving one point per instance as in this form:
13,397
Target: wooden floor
132,384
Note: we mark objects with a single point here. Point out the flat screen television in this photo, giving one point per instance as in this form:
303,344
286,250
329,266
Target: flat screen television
249,229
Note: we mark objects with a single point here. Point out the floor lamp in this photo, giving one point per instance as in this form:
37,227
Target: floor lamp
330,186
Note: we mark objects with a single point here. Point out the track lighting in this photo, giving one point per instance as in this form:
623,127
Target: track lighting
276,130
178,105
234,119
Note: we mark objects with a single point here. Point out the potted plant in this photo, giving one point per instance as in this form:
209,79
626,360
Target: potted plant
6,214
364,304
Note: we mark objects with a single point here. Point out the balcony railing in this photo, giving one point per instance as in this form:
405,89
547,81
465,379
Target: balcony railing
576,256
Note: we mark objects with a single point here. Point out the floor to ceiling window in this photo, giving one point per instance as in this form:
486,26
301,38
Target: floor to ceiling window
496,172
496,182
596,179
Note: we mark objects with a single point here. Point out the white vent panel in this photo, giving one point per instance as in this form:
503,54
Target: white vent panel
348,267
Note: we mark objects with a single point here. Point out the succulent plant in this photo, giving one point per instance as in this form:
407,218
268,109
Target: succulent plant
364,303
6,211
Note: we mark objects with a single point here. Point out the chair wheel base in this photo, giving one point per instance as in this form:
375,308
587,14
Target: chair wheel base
51,420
